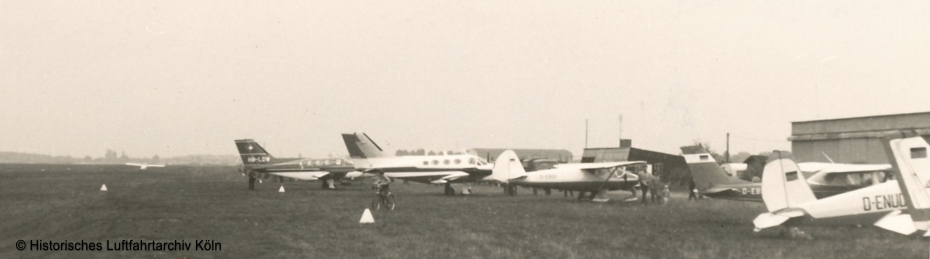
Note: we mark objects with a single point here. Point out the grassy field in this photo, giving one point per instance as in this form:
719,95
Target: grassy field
192,203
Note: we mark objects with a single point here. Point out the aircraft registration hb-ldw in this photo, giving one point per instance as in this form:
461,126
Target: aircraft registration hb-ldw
256,160
790,201
143,166
597,178
827,179
445,169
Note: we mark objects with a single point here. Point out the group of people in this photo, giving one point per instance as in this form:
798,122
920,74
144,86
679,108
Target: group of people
654,186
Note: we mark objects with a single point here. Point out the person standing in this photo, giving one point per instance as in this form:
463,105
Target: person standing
644,184
251,181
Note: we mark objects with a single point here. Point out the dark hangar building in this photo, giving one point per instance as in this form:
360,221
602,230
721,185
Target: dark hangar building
850,140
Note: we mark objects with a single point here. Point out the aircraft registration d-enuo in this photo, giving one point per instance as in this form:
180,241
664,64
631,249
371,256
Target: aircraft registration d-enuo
256,160
445,169
790,201
826,179
597,178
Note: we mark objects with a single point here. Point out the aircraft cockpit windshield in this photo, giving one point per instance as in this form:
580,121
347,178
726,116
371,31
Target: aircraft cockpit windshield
858,179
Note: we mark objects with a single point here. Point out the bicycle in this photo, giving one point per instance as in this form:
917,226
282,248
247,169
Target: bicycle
381,200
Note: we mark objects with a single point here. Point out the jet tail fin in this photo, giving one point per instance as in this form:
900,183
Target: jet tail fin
507,167
361,146
252,153
704,169
783,184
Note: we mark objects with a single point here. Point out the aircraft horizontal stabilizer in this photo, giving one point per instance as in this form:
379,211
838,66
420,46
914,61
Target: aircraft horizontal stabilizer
897,222
767,220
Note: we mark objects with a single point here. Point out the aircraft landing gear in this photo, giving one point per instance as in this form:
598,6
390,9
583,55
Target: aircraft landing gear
449,190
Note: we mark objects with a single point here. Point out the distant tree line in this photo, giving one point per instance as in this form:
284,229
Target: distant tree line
111,157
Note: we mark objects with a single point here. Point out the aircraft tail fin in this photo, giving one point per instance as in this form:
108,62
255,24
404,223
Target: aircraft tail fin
252,153
783,184
507,167
361,146
909,160
704,169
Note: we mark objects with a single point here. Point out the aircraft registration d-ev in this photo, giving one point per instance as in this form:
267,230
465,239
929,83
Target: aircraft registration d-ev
256,160
790,201
826,179
143,166
445,169
597,178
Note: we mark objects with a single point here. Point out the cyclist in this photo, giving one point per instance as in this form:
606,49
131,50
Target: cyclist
383,184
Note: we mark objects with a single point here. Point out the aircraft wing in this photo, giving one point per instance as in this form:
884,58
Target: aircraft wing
134,164
156,165
598,165
310,176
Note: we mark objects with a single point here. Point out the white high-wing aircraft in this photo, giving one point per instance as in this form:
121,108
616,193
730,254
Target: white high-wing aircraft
597,178
827,179
444,169
143,166
790,200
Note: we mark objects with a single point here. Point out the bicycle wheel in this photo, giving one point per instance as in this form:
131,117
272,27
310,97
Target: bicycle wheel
376,203
389,202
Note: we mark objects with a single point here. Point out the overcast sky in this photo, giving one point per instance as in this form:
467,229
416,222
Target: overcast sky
188,77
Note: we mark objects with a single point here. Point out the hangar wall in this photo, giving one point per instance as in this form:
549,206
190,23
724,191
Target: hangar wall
850,140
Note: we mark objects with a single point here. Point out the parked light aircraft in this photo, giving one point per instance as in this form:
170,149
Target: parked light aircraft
143,166
597,178
826,179
790,201
256,160
444,169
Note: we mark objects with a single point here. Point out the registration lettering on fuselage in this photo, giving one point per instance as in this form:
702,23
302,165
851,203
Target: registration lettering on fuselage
259,159
880,202
751,191
547,177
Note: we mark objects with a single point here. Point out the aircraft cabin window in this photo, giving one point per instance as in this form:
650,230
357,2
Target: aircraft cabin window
435,162
458,161
425,162
445,161
704,157
471,161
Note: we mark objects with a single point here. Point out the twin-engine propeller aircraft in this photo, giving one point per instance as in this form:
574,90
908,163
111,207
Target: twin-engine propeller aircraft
144,166
256,160
597,178
826,179
445,169
790,201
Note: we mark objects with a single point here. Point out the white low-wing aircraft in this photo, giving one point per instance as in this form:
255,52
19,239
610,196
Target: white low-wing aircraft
444,169
790,200
597,178
143,166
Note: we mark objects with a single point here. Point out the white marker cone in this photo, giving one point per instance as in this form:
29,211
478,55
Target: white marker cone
366,217
282,189
103,188
259,180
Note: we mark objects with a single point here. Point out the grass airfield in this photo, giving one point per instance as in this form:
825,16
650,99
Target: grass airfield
191,203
